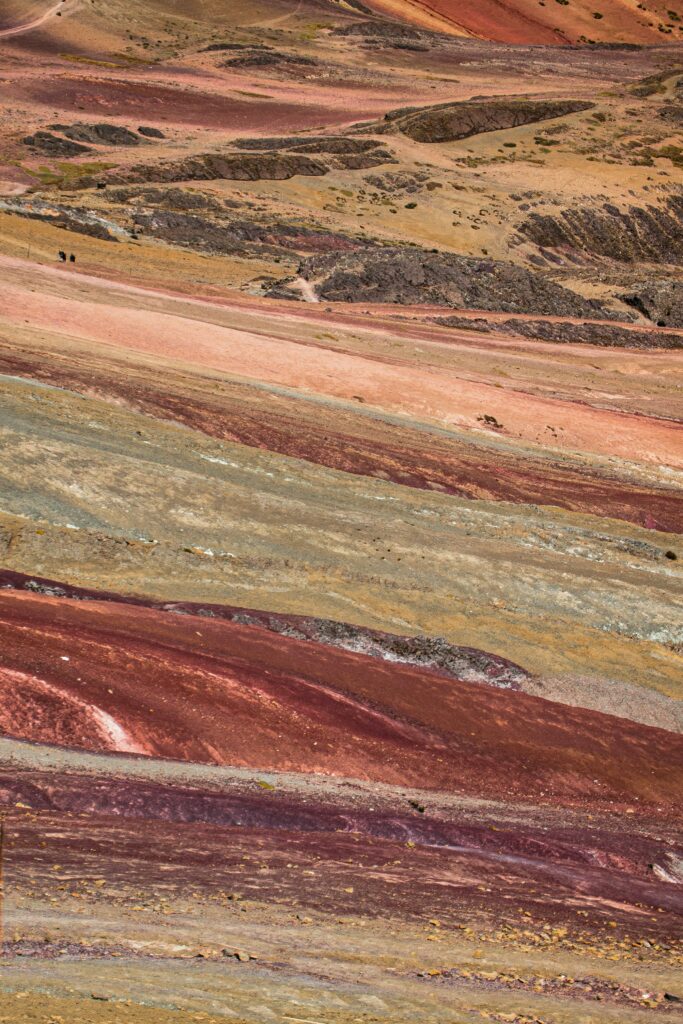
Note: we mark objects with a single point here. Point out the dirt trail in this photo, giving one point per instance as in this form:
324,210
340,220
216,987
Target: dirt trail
307,290
28,26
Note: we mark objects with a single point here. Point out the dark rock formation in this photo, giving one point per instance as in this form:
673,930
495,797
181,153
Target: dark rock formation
672,112
625,47
170,198
652,85
214,166
151,133
400,44
102,134
567,332
660,301
252,166
396,182
346,153
269,58
311,144
62,217
362,161
53,145
238,236
447,122
188,230
435,653
71,138
651,233
378,30
221,47
409,276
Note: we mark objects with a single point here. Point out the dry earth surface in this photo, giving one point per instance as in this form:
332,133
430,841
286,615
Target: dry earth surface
341,655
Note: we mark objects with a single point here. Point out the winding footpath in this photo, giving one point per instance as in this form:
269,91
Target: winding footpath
34,23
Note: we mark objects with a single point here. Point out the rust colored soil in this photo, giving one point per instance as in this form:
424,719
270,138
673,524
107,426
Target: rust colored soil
162,104
145,681
359,443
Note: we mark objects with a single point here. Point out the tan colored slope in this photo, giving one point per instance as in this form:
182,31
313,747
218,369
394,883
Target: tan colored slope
428,377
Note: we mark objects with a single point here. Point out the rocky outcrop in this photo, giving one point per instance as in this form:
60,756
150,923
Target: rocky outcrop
257,55
672,112
80,221
660,301
53,145
169,198
448,122
344,153
568,332
379,30
100,134
651,233
361,161
409,276
238,236
104,134
252,166
651,85
310,144
188,230
259,58
72,139
151,133
433,653
387,34
223,47
214,166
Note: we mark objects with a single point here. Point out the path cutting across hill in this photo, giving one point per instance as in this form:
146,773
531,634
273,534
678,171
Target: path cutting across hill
28,26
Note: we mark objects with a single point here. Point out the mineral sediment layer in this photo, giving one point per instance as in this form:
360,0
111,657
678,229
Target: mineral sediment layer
340,512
